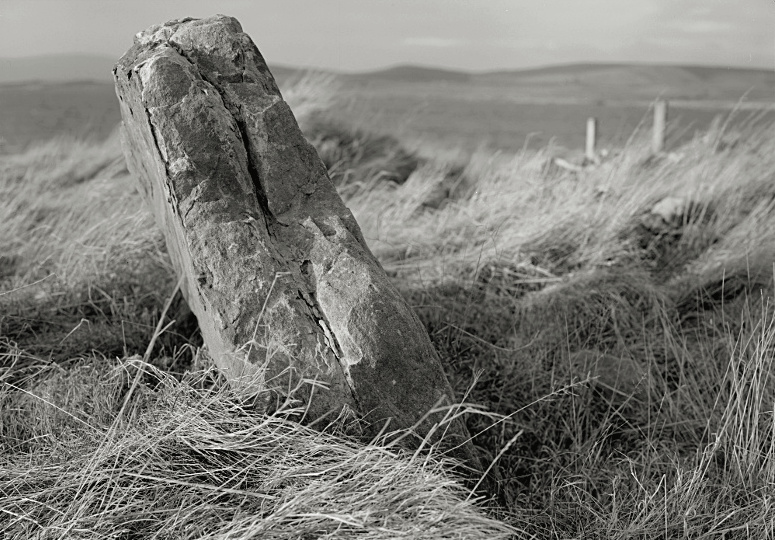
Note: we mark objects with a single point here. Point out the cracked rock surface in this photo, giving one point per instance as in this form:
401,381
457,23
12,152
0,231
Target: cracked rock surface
275,267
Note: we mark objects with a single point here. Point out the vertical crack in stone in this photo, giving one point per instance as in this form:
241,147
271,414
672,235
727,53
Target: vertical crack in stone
308,297
255,176
239,119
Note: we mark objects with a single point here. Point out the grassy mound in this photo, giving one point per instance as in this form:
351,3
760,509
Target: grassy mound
353,155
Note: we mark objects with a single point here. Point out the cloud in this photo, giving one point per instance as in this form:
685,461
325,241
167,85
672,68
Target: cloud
700,11
523,43
703,27
436,42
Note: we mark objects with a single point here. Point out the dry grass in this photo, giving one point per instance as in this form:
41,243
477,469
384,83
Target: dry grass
626,363
189,460
82,267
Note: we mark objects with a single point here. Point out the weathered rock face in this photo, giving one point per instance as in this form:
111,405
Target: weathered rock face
276,269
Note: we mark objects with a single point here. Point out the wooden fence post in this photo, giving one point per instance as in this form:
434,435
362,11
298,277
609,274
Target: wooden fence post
591,135
660,123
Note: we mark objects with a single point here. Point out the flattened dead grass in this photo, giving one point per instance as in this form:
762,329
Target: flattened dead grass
189,460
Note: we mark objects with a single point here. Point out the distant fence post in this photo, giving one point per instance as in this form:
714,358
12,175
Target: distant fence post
591,134
660,122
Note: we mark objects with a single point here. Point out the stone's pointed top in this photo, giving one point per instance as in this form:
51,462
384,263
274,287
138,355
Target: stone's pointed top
216,46
213,30
160,33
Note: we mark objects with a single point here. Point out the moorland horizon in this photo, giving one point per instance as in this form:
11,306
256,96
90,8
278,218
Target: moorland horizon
75,67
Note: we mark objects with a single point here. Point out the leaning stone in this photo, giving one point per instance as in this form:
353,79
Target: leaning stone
285,289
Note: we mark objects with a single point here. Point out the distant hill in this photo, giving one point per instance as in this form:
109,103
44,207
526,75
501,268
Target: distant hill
67,68
410,73
635,73
57,68
601,81
587,71
598,81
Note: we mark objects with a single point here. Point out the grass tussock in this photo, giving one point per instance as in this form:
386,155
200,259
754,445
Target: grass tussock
82,266
188,460
624,356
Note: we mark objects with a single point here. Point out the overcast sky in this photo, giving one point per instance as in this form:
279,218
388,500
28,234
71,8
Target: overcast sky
353,35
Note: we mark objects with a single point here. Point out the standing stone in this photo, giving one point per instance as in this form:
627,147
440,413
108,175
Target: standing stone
276,268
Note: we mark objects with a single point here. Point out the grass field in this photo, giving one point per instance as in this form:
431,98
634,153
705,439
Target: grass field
618,364
437,111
